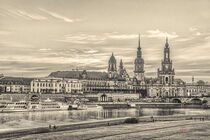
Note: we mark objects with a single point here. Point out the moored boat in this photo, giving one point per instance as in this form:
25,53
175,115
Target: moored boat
23,106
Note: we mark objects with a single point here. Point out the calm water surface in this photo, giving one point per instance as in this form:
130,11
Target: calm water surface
9,121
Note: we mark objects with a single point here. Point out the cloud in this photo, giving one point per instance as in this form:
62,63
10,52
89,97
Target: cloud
31,16
45,49
198,33
14,44
159,34
58,16
91,51
184,39
25,15
116,35
83,39
193,29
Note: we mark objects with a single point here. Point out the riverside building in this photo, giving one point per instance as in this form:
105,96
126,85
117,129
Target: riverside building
15,85
56,85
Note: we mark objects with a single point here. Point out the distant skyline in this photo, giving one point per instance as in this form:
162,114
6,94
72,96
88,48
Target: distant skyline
38,37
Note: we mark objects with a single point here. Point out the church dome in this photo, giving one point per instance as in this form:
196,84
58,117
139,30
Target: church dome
112,59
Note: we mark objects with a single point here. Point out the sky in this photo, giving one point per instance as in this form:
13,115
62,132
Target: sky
41,36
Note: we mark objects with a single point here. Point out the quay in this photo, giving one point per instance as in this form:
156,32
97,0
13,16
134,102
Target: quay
100,123
149,105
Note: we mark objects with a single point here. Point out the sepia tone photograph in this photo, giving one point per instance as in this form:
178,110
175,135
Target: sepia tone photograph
105,69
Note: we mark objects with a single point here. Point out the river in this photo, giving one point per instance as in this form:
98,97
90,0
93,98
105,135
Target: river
20,120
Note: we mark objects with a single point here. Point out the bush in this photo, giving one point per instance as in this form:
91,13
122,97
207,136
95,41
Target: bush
131,120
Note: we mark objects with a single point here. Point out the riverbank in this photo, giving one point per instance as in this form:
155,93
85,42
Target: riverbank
169,130
115,105
99,123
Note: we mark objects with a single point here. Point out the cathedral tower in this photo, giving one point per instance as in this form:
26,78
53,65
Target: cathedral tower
166,74
112,67
139,64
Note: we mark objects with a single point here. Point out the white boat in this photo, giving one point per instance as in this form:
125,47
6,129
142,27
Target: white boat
85,107
47,105
14,106
94,107
23,106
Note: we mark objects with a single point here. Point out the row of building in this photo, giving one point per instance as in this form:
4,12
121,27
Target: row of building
115,80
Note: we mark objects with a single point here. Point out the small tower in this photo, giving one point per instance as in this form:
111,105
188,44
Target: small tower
112,67
122,71
84,74
139,64
121,68
193,80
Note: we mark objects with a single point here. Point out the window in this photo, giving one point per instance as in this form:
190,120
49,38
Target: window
166,79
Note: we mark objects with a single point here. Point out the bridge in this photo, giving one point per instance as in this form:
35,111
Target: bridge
193,100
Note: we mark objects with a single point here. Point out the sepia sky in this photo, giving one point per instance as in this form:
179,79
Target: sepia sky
41,36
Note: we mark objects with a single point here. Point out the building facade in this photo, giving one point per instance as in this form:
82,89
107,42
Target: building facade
15,85
199,88
56,85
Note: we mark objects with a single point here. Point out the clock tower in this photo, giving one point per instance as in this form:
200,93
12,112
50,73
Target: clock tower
139,64
166,74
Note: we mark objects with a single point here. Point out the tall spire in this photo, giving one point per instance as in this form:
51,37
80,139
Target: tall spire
139,48
166,42
121,63
139,41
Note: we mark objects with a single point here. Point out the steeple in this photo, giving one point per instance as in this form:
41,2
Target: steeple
121,63
139,42
166,45
139,49
139,63
193,79
167,51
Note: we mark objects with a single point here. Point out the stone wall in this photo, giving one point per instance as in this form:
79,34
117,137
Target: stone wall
62,97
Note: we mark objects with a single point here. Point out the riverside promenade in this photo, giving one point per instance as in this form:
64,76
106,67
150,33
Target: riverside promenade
166,127
167,130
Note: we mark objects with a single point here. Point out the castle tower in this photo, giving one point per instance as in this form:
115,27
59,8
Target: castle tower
166,74
112,67
139,64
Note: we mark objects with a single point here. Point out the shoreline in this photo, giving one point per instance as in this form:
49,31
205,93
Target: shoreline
111,105
98,123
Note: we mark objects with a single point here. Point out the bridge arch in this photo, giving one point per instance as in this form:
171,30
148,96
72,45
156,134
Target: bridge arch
176,100
196,101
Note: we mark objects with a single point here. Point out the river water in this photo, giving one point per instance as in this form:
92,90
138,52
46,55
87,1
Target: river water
20,120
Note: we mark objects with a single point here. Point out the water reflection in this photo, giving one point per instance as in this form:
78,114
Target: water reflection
35,119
